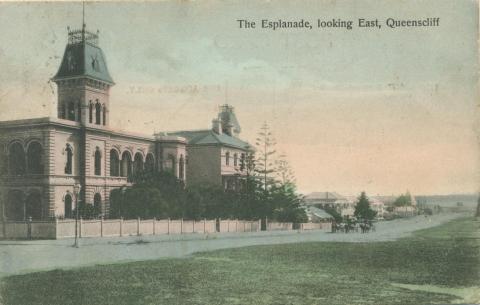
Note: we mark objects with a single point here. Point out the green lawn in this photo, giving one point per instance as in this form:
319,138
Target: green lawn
413,270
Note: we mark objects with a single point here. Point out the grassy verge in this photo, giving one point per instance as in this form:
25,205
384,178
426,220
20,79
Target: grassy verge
304,273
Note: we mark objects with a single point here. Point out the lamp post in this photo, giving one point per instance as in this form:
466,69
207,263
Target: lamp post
76,191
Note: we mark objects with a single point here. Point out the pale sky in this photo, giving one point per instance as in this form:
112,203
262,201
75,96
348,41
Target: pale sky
381,110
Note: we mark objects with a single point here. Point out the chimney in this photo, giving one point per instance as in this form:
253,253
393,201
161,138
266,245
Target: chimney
227,128
216,127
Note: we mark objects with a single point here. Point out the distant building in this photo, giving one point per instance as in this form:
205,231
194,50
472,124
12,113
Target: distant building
323,200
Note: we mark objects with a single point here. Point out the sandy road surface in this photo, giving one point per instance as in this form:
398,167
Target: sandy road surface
28,256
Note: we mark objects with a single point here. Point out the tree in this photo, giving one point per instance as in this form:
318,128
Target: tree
284,172
363,209
264,164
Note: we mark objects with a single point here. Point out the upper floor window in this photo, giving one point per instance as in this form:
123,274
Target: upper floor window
104,112
242,162
90,112
98,113
16,159
34,158
71,111
114,163
227,158
69,155
98,162
235,159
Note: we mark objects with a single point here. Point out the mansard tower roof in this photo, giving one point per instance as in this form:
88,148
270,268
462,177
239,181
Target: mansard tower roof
83,58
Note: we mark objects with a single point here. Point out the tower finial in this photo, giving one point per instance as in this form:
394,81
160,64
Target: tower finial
83,13
83,20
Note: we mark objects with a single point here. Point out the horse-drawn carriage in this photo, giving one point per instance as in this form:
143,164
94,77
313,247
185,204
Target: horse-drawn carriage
353,225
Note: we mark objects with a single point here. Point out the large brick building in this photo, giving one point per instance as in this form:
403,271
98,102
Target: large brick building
42,159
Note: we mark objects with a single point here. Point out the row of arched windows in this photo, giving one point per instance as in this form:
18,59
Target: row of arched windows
125,167
22,162
100,113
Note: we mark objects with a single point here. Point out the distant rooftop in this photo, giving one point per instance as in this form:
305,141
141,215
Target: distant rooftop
325,196
208,136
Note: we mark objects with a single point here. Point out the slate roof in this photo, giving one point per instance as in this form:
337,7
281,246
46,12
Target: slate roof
325,196
84,59
209,137
319,213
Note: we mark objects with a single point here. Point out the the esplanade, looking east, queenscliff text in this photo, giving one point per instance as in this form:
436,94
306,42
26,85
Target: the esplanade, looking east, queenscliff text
332,23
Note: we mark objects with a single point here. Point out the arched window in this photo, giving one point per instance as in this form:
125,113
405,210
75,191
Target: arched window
181,168
235,159
14,209
126,165
149,163
34,158
170,164
90,112
33,206
79,112
98,113
71,111
137,163
69,163
104,112
227,158
98,162
68,206
97,204
16,159
114,163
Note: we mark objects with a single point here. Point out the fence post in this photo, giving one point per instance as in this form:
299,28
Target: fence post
228,225
29,228
80,226
236,225
138,226
101,226
154,220
204,225
168,226
266,223
259,228
193,226
4,227
181,226
56,227
121,226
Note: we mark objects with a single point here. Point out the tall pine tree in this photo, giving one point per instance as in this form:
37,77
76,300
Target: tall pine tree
363,209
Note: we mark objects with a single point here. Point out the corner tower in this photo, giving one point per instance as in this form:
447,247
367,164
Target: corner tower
83,80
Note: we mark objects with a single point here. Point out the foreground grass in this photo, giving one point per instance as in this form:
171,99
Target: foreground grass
304,273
